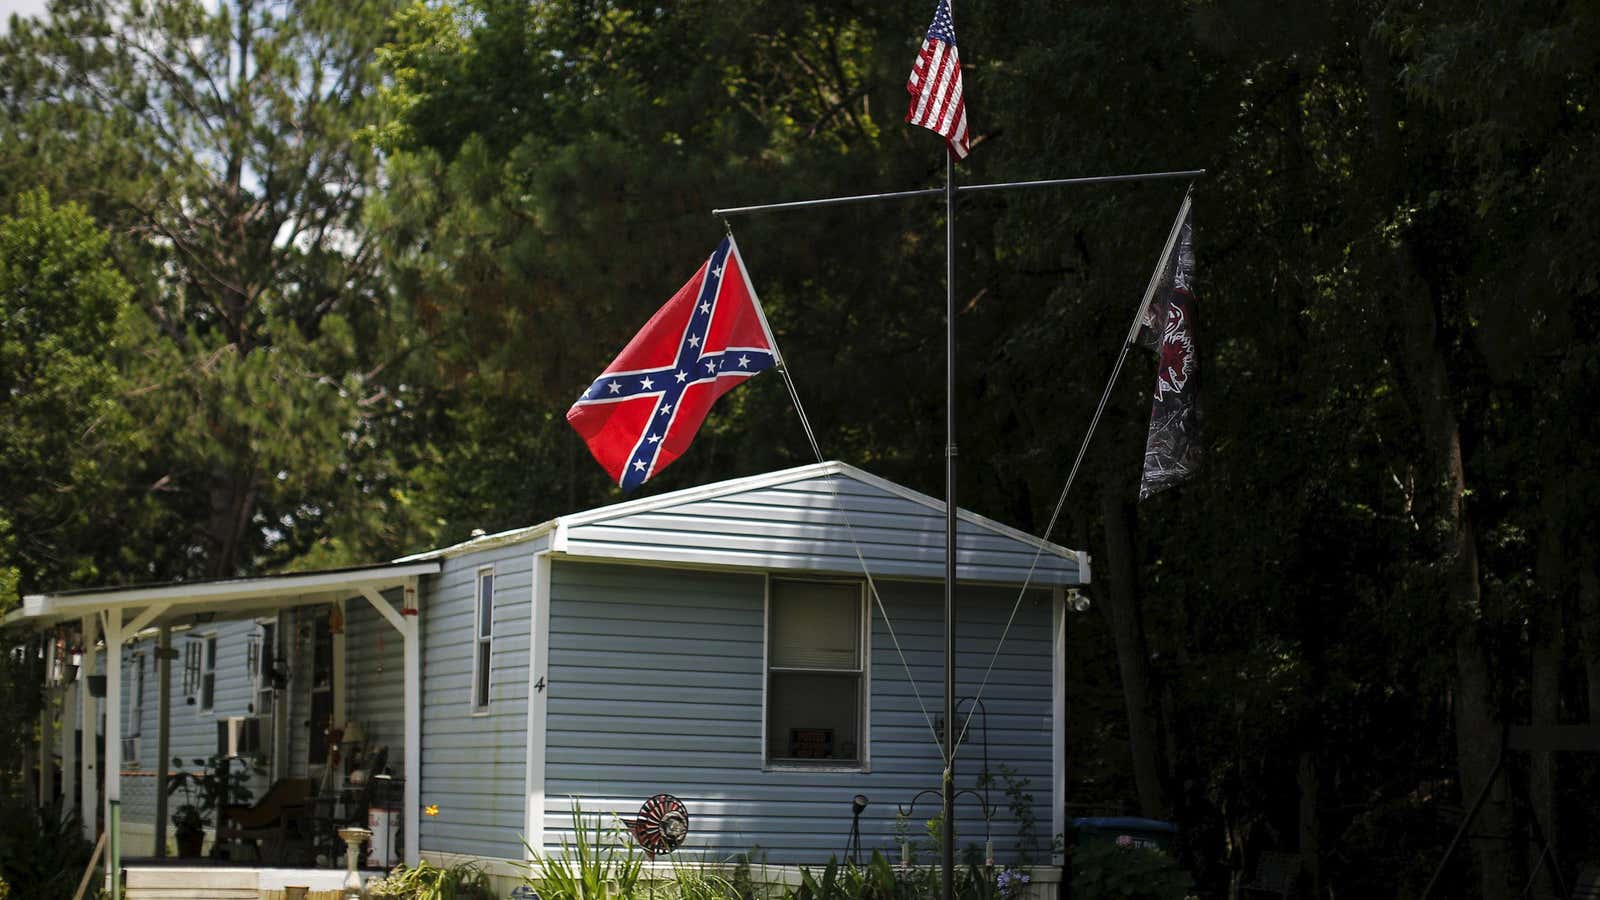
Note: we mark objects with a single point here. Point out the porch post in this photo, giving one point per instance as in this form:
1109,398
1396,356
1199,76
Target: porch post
407,622
163,734
341,712
69,747
89,759
47,720
411,618
113,773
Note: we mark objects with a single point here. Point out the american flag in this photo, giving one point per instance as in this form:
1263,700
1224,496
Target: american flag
935,85
644,409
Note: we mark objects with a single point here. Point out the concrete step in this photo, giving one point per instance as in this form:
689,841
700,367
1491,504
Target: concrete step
169,883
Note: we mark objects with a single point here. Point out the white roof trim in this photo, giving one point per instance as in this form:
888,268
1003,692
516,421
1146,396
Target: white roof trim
484,542
75,603
561,524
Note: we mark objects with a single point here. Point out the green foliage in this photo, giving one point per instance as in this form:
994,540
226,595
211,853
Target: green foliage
216,141
42,853
222,781
358,313
879,880
596,863
64,428
426,881
691,881
1105,871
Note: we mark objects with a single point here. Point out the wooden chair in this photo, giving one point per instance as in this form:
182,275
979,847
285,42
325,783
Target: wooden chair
1277,873
269,819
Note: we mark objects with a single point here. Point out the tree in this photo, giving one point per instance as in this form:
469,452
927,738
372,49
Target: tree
217,143
65,434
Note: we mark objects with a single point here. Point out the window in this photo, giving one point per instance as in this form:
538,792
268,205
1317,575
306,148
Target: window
191,669
483,638
135,721
208,675
134,728
816,673
262,667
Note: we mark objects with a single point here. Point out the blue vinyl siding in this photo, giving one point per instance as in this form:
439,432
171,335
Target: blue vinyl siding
193,734
474,765
815,524
375,677
656,684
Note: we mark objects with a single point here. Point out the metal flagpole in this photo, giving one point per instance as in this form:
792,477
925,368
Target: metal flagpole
948,832
950,190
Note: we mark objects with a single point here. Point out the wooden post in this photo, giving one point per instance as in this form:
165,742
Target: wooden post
163,735
412,618
89,760
69,747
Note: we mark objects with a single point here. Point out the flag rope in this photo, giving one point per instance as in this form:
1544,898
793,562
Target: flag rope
872,586
1061,500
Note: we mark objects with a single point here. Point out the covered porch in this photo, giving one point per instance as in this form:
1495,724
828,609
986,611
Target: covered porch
297,690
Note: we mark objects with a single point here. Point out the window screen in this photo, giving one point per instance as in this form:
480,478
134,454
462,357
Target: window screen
815,672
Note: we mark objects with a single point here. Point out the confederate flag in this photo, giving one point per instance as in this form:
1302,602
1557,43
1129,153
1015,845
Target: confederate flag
1172,448
644,409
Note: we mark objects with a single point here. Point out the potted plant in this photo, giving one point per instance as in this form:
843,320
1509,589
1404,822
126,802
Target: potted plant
218,783
189,830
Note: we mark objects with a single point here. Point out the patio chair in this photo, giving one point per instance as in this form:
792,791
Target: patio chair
270,819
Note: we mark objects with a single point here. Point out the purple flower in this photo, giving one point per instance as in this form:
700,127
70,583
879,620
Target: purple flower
1125,841
1012,882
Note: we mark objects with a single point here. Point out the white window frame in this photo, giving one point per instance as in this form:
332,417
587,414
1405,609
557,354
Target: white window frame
191,673
210,649
262,665
864,648
482,637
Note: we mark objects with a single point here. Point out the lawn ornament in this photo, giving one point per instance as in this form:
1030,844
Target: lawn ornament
662,825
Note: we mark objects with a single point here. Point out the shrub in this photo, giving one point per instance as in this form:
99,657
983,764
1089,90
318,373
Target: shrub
1111,872
425,881
42,855
697,882
597,864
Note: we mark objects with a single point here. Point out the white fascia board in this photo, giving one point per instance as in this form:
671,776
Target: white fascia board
222,592
703,492
486,542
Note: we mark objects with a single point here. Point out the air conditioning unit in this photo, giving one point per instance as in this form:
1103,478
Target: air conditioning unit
239,736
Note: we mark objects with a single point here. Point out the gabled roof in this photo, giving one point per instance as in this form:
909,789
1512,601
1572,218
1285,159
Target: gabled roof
830,518
826,517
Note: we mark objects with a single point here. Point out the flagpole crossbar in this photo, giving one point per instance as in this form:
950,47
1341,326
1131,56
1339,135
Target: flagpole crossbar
959,189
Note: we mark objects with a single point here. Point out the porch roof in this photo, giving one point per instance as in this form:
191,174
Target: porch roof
227,598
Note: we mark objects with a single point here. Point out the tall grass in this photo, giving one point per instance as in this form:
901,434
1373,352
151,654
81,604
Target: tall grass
597,863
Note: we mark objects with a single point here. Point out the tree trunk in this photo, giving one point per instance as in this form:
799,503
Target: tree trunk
1545,682
1589,617
1133,657
1478,732
233,504
1310,780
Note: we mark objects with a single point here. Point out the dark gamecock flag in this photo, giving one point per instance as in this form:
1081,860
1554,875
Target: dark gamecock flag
644,409
1172,448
